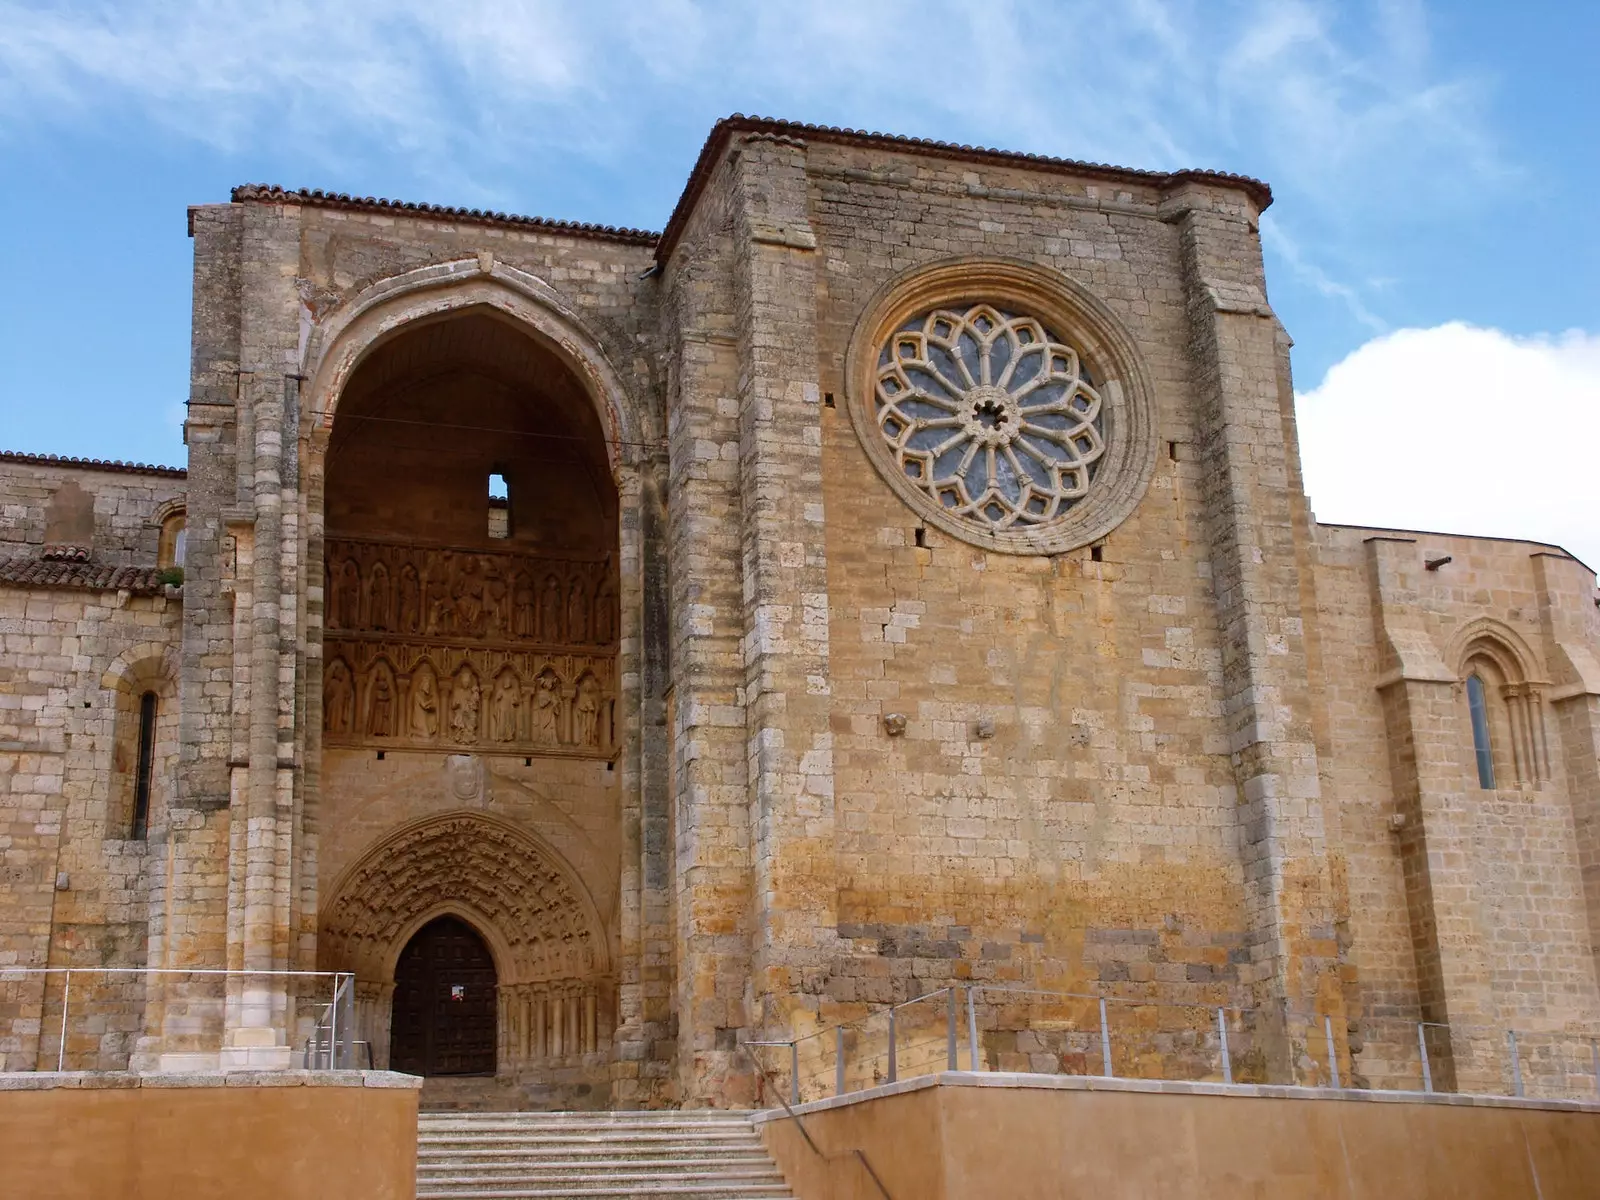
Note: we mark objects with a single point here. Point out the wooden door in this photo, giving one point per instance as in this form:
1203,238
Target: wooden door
444,1003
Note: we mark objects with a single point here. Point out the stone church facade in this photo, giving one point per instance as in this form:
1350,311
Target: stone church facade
895,572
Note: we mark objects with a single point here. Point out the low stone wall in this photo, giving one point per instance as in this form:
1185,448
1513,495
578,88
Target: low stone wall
965,1136
288,1135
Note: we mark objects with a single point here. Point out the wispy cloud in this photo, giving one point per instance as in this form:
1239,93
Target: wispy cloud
1338,104
1275,240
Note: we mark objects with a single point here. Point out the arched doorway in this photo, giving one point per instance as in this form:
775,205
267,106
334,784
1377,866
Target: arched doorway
445,989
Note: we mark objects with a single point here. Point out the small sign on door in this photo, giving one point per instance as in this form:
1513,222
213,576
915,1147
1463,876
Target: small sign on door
458,991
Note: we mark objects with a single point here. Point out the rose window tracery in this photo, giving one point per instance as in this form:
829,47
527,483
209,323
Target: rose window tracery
991,414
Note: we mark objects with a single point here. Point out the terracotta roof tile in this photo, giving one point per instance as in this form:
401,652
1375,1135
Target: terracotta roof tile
739,123
91,464
271,194
26,571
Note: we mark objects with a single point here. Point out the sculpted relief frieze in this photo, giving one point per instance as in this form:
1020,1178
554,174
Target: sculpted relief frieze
436,649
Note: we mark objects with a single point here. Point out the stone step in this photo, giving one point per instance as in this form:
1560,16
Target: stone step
589,1178
553,1140
596,1156
692,1191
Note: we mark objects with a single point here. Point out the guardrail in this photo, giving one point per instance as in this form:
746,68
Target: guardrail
1068,1033
94,1018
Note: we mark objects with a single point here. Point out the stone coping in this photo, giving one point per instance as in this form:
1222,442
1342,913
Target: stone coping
44,1081
1169,1087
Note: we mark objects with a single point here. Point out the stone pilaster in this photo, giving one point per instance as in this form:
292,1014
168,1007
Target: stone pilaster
264,785
710,827
1244,423
1422,719
784,568
188,895
1570,622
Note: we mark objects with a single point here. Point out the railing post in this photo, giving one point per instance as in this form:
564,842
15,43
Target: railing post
794,1072
1105,1042
893,1072
1222,1037
66,997
838,1060
972,1031
951,1062
1333,1051
1422,1048
1516,1061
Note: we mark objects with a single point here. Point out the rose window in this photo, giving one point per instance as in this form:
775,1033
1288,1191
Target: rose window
990,414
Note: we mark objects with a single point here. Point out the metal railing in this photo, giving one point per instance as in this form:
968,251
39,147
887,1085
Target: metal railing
1067,1033
109,1018
857,1154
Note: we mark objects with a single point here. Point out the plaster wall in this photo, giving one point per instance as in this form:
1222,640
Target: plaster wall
961,1139
150,1139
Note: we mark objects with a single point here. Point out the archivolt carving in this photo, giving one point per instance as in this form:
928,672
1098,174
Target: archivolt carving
438,649
538,918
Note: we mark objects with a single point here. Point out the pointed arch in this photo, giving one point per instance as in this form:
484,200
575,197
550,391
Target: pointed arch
334,346
512,886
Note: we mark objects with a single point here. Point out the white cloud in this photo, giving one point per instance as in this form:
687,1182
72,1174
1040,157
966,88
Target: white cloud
1306,88
1457,429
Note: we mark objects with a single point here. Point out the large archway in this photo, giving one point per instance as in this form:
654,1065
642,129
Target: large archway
471,623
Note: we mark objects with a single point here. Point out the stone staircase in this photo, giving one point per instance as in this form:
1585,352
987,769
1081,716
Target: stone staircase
686,1155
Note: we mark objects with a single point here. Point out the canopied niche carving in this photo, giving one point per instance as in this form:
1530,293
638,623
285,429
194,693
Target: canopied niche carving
541,924
438,649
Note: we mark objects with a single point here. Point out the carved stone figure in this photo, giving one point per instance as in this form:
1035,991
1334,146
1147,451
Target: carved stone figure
466,698
505,708
550,610
424,702
466,593
497,606
586,713
338,698
441,613
346,606
577,613
547,708
378,597
380,702
605,614
523,596
410,600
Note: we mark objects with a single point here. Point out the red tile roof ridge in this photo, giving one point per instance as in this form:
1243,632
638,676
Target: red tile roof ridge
91,464
1259,191
273,194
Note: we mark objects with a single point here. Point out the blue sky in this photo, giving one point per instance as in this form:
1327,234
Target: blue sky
1431,248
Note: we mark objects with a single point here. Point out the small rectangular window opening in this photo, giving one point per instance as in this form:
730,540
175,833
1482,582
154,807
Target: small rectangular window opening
499,506
922,537
147,763
1097,553
827,400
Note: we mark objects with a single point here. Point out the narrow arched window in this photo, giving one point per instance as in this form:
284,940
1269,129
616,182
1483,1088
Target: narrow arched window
147,762
1478,707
